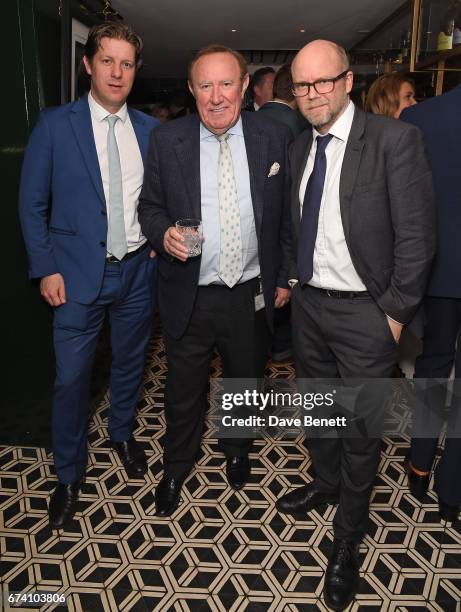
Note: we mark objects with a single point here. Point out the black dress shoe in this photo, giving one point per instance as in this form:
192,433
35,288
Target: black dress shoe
237,471
447,512
342,575
62,503
167,495
417,484
304,499
132,456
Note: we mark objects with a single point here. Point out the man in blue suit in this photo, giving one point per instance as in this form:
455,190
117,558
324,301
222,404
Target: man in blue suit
82,175
229,169
440,121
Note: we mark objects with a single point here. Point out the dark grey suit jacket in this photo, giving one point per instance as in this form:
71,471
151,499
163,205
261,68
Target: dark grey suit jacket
171,191
387,209
283,113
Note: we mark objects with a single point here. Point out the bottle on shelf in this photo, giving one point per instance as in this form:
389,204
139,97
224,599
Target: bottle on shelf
457,27
445,37
447,26
406,46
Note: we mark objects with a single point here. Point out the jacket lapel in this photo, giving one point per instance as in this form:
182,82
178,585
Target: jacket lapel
300,164
256,144
187,149
350,167
80,119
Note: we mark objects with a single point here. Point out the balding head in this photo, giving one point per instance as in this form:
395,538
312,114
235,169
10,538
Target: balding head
326,50
322,61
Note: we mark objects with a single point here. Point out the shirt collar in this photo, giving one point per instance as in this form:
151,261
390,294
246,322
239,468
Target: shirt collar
99,113
342,126
236,130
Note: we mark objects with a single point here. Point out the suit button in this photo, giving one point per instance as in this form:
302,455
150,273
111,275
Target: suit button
103,213
103,244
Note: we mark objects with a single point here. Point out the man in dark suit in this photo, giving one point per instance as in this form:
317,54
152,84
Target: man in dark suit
283,109
260,88
440,121
229,170
362,214
86,159
283,105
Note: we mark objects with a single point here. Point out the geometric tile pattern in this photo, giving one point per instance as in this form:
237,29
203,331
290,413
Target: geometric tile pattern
222,549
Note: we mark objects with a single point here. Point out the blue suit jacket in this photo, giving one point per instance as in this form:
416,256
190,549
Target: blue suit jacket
440,121
171,191
62,204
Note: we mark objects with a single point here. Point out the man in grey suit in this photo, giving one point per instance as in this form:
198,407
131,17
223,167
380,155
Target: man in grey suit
363,219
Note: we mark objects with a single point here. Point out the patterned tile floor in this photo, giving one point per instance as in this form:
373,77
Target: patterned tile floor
222,550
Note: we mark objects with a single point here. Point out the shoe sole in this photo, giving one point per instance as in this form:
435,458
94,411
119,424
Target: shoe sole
337,608
319,507
330,605
172,511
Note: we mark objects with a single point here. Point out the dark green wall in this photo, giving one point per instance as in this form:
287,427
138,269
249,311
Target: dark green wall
26,321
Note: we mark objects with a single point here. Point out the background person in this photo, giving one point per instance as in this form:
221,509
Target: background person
440,121
390,94
260,88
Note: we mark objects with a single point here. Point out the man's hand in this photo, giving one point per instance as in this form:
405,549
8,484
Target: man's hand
53,290
173,243
396,328
282,297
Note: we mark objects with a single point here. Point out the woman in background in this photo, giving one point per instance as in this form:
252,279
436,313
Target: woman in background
390,94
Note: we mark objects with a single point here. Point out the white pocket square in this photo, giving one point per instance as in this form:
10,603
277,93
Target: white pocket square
274,169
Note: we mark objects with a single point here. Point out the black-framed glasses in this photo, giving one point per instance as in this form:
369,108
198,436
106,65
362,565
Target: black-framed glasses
322,86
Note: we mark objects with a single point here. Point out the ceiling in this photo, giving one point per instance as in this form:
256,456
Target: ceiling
173,29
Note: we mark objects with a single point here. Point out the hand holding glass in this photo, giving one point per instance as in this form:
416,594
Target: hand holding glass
191,230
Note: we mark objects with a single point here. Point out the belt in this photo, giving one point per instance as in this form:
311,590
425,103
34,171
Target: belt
129,255
335,293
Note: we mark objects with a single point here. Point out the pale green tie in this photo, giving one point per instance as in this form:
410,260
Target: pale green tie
116,237
230,253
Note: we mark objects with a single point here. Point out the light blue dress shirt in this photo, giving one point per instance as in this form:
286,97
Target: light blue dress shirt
209,155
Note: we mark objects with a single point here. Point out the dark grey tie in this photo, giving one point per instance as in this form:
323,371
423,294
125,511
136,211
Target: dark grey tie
116,237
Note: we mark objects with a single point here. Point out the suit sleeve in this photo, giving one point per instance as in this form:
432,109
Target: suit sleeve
152,211
409,182
34,200
286,241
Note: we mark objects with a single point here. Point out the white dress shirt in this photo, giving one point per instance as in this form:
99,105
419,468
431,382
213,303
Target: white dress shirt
332,265
131,164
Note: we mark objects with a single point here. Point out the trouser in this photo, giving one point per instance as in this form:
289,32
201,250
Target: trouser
348,339
224,319
127,294
440,353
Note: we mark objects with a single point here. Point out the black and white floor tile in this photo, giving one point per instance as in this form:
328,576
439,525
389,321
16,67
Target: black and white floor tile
222,550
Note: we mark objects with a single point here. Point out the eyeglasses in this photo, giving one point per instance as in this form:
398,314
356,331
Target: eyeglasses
322,86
